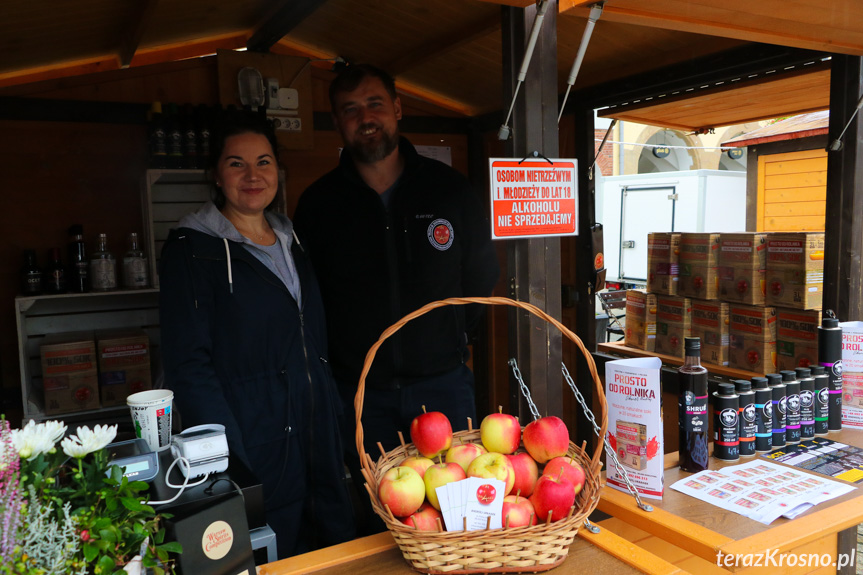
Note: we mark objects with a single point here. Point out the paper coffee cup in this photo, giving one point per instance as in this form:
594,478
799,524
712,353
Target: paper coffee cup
151,415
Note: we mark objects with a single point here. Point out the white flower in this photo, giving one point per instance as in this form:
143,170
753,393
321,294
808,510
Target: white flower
88,441
35,439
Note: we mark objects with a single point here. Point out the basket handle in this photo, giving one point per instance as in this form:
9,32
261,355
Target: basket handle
370,356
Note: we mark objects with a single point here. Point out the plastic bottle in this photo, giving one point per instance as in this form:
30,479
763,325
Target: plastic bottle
692,408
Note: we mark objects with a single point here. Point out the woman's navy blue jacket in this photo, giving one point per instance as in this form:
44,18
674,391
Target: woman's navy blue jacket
244,355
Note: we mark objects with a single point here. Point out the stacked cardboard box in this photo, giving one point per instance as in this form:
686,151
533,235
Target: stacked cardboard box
795,270
673,323
710,323
69,376
699,266
663,250
752,338
124,365
640,319
742,267
796,338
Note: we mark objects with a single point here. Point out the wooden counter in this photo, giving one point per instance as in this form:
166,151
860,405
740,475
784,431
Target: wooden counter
681,535
705,530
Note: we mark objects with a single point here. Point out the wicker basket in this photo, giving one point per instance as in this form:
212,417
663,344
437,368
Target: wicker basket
515,550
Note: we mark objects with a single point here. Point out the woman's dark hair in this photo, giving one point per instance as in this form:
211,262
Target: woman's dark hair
352,76
233,123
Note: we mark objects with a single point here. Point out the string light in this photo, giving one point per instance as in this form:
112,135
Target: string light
723,148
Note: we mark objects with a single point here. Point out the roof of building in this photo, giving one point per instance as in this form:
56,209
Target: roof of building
802,126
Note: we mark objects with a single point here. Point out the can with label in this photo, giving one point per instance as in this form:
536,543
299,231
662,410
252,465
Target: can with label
830,358
774,380
763,415
726,442
822,399
745,417
807,402
792,406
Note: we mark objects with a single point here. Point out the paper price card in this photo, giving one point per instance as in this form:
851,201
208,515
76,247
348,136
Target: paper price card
474,504
533,198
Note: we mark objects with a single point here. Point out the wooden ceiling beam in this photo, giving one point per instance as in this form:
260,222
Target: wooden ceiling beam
705,20
129,42
287,15
189,49
513,3
442,45
61,70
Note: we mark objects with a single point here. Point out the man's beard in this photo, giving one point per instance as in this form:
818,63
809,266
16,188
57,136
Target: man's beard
369,152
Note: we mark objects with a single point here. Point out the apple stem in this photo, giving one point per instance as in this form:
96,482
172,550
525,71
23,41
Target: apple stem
560,474
500,409
424,409
517,493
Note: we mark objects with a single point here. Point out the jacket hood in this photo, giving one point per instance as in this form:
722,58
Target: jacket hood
209,220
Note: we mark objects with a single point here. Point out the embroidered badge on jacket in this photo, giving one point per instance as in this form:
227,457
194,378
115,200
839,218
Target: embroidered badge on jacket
440,234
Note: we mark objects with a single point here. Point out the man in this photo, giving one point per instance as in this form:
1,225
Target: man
389,231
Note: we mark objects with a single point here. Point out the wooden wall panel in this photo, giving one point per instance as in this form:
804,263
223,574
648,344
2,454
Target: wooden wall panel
792,191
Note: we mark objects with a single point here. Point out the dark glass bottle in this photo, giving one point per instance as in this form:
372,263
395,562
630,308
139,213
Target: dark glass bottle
158,138
692,408
202,127
78,279
174,138
55,275
190,137
31,275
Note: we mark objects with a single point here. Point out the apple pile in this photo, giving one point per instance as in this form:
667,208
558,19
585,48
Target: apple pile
541,483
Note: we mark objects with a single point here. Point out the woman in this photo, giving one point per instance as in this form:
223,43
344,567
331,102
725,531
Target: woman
244,341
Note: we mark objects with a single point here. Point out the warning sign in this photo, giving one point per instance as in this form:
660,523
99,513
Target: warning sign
533,198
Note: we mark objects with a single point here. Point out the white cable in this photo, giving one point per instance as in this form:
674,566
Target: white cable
182,487
669,146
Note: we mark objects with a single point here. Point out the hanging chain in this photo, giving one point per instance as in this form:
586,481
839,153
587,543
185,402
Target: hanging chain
524,390
609,452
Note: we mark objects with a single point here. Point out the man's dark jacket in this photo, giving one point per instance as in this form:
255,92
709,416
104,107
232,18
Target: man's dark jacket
244,355
376,264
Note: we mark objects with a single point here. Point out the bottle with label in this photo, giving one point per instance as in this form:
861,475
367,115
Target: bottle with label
31,275
780,406
174,138
792,406
726,423
158,138
763,415
830,358
746,425
692,408
55,274
135,274
190,137
807,402
103,267
78,278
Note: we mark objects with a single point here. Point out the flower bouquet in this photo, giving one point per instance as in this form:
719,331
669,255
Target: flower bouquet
69,510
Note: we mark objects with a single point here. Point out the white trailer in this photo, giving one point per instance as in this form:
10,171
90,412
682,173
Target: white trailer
632,206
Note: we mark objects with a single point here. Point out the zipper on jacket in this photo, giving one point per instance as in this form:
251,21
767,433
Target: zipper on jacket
395,293
311,467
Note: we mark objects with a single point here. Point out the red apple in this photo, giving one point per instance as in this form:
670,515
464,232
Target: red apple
440,474
418,463
403,490
500,432
546,438
425,518
464,453
518,511
493,466
526,473
569,468
431,433
555,494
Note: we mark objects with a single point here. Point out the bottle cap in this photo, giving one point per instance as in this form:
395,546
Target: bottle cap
743,385
817,370
76,230
829,322
773,379
759,382
803,372
788,375
692,344
725,389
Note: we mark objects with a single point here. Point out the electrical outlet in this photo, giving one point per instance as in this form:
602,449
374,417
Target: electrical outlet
285,121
